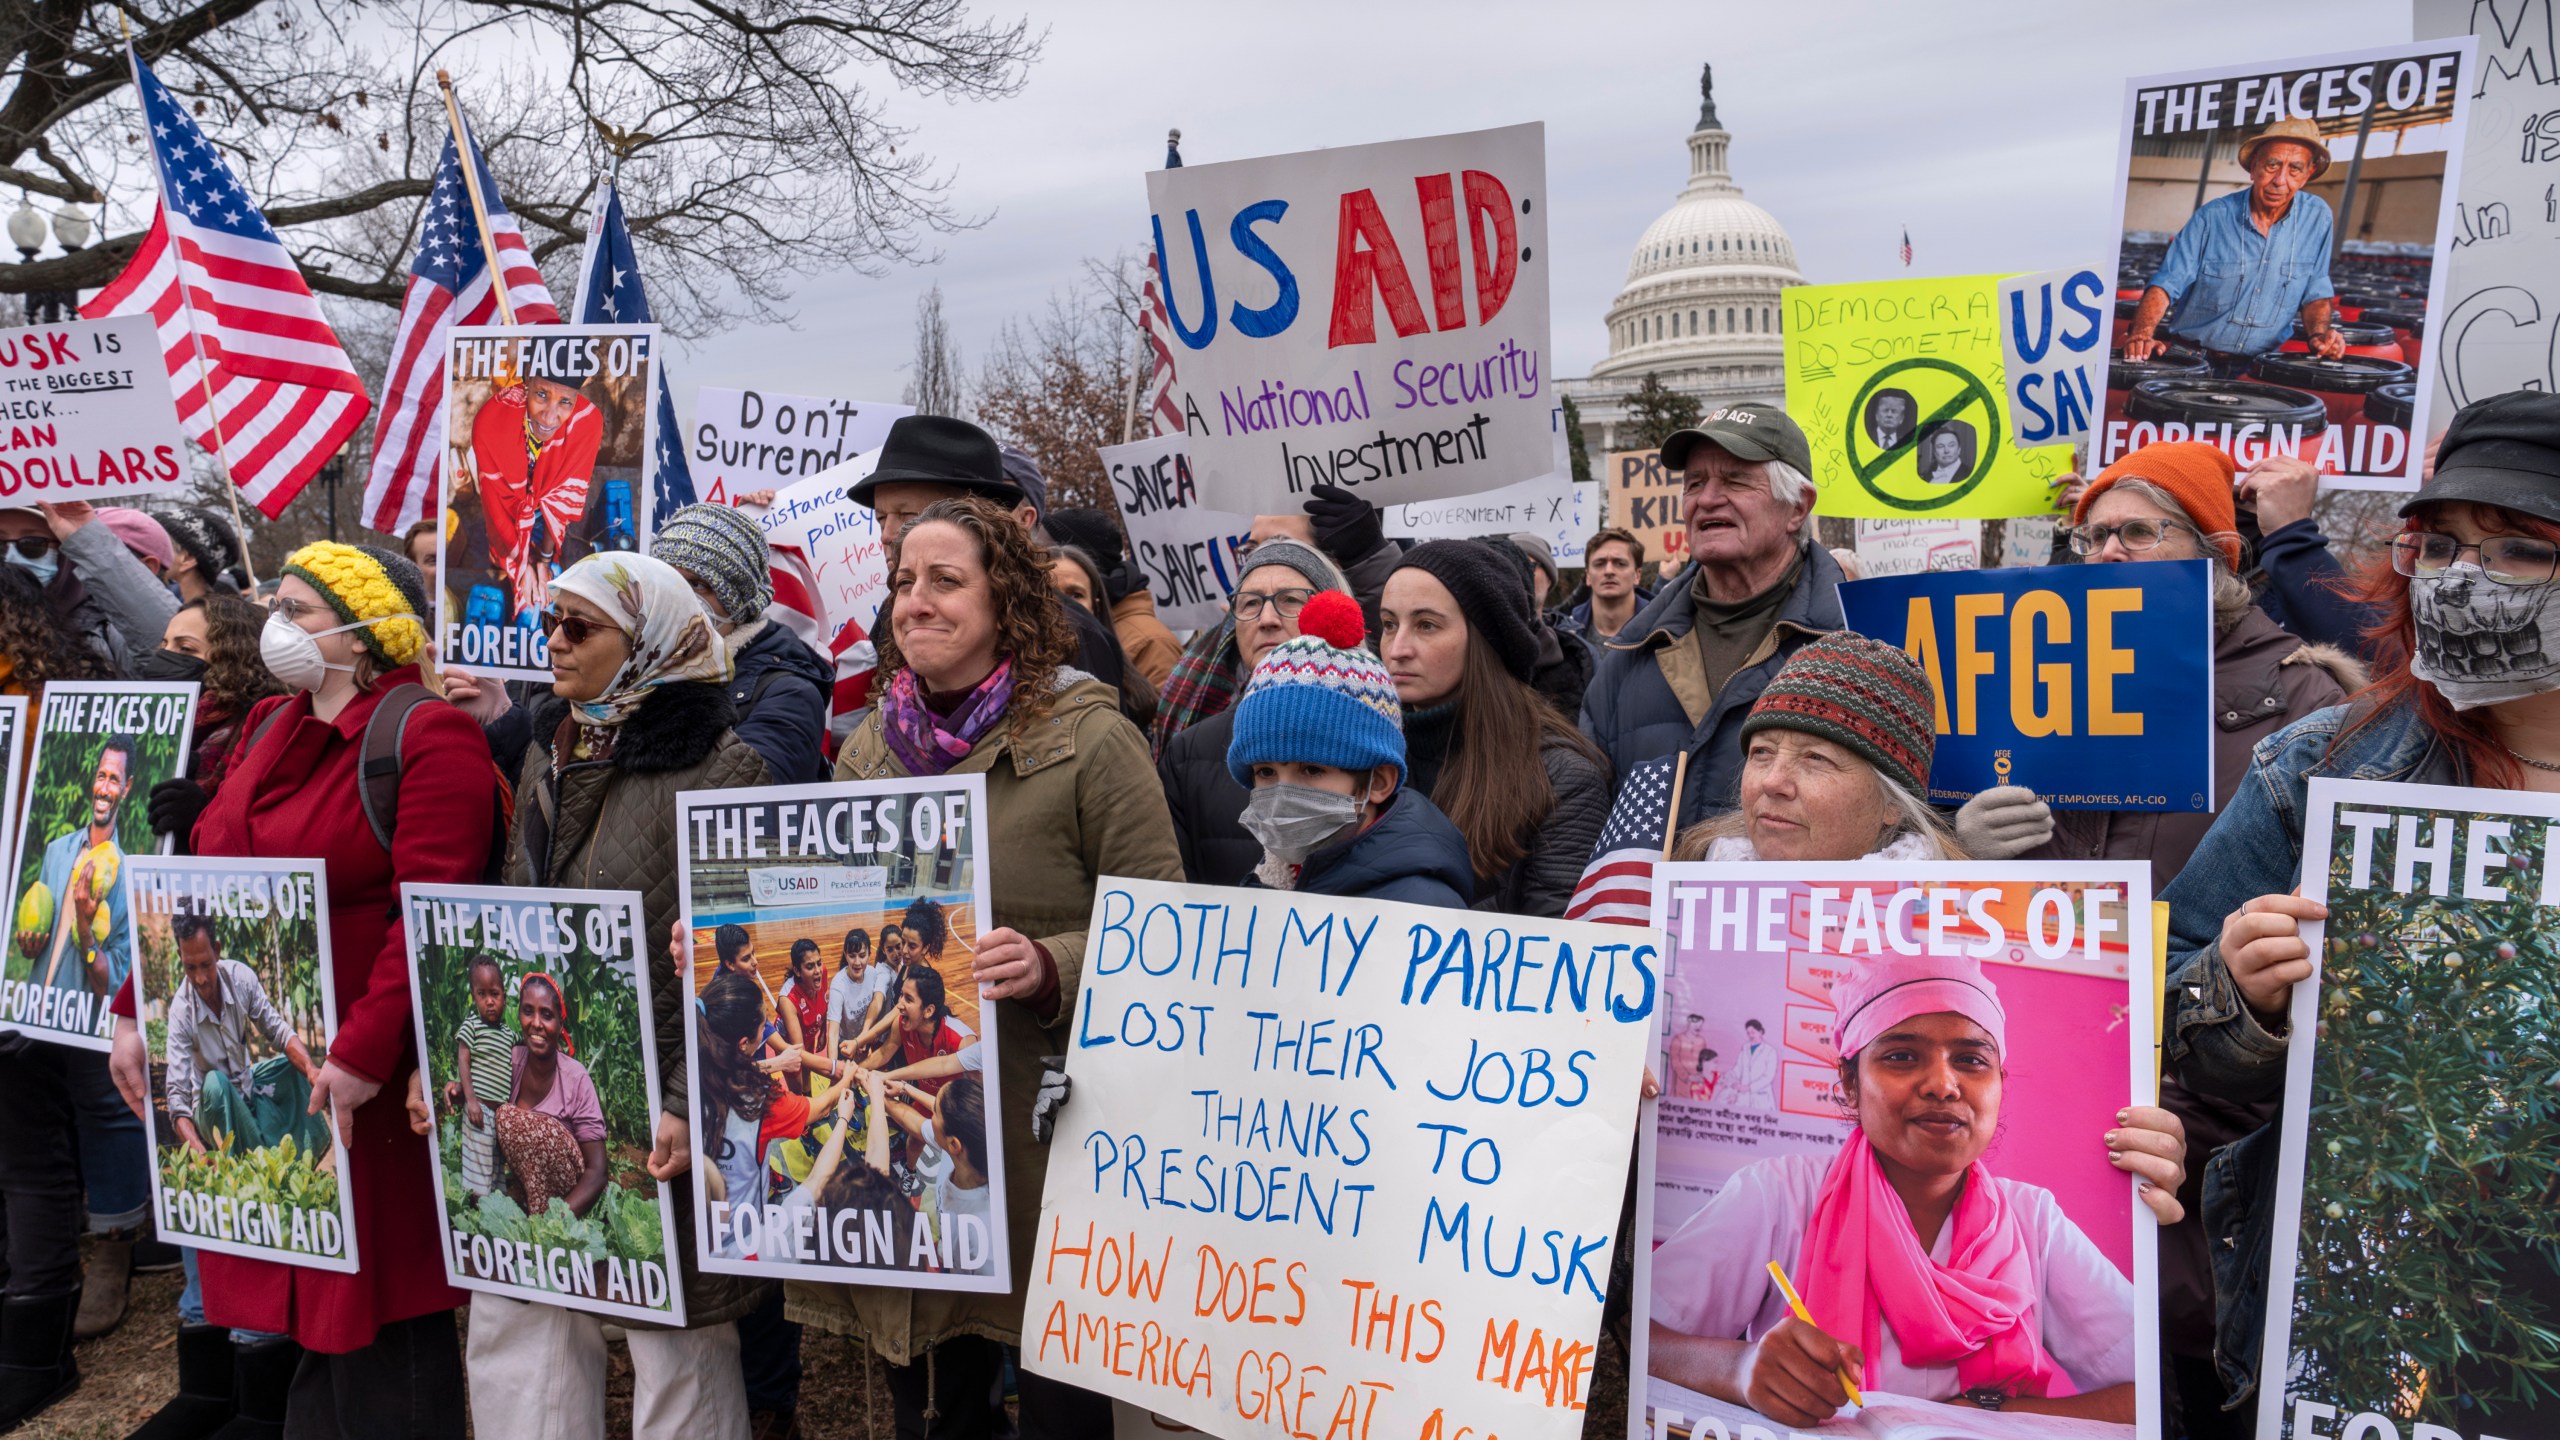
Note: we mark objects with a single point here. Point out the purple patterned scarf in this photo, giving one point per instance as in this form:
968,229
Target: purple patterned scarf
927,744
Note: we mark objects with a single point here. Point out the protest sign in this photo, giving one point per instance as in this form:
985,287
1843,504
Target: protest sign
537,1039
2499,326
847,915
1645,498
1916,547
2053,328
101,745
1897,384
1306,354
2027,540
750,440
1551,507
232,983
1766,1147
2241,293
88,413
548,432
2413,1290
839,538
1188,552
13,749
1302,1189
2091,685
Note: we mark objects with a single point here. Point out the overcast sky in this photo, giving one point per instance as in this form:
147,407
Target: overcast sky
1986,127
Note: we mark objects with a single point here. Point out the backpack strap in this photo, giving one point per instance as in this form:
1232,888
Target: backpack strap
378,770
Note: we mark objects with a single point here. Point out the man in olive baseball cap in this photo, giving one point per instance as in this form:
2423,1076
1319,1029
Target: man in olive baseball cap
1747,432
2502,451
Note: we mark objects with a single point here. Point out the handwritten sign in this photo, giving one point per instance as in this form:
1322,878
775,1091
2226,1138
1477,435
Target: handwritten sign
1316,1176
1897,384
1917,547
2091,685
2052,325
1373,317
749,440
839,538
2497,327
1551,507
1188,552
2378,225
516,993
85,413
2417,1046
1645,498
239,1164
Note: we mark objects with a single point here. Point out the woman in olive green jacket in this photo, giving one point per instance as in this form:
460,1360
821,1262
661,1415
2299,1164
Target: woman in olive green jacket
974,685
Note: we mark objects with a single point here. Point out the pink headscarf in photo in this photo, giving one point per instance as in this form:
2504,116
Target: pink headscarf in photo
1863,1266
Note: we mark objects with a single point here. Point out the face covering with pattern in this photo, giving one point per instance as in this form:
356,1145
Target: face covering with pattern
1291,821
2483,643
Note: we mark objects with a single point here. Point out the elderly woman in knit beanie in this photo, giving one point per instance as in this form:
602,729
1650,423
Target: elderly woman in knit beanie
1524,787
781,686
343,636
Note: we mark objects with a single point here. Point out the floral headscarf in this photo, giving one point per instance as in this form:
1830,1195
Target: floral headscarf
671,638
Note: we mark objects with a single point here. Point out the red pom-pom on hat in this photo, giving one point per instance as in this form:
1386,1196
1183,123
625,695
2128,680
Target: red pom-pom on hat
1334,618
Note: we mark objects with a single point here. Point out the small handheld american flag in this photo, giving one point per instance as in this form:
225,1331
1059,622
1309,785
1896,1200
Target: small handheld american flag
1617,887
1906,247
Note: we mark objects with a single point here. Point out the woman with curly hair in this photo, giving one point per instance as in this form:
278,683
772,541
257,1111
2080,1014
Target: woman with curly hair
213,639
34,650
973,682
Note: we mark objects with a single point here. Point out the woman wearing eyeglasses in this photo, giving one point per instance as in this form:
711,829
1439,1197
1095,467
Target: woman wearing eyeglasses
2467,693
638,711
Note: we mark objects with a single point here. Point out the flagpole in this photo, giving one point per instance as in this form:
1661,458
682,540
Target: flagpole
479,209
195,333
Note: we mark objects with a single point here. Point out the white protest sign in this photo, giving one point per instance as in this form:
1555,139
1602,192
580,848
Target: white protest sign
1339,1166
840,538
749,440
1188,553
1916,547
2497,324
1373,317
2053,330
1551,507
88,413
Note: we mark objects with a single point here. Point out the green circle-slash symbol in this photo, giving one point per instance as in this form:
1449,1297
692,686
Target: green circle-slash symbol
1973,393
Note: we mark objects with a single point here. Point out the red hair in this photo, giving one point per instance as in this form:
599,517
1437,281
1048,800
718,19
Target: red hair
2386,591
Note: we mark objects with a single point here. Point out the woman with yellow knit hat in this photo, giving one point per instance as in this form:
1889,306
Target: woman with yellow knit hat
374,1352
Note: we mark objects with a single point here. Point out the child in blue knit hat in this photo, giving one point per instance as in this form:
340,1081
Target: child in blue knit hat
1319,741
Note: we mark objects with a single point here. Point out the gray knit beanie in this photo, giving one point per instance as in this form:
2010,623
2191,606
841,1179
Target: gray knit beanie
1307,560
726,548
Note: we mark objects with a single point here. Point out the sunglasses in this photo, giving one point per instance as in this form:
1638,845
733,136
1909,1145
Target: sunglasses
34,547
574,630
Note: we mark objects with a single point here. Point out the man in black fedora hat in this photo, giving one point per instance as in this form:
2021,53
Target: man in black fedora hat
934,457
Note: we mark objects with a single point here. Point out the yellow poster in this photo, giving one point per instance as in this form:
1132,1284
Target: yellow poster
1898,385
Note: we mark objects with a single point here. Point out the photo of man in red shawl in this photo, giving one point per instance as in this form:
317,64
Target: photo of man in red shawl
533,451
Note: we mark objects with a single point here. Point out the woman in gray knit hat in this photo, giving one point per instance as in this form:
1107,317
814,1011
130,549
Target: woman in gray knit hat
782,686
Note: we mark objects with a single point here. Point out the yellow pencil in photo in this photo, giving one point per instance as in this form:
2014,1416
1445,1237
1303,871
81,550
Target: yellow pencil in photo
1795,1302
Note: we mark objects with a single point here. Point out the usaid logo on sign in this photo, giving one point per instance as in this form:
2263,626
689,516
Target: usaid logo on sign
818,884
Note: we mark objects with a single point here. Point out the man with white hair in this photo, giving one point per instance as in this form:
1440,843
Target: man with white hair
2251,266
1684,672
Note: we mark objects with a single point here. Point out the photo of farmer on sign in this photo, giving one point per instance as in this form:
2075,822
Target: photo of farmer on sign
2280,228
100,747
844,1080
540,1064
237,1003
548,429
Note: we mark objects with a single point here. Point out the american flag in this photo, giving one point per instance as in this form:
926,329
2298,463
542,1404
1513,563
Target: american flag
1906,247
259,377
448,286
609,293
1164,412
1617,886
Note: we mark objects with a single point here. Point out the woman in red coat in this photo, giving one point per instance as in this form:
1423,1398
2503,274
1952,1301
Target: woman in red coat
380,1352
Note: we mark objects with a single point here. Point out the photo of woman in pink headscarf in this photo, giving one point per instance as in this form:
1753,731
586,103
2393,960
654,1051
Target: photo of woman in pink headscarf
1926,1275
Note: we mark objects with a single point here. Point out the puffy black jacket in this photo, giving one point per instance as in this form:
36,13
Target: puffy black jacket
1206,802
1542,881
781,690
1413,855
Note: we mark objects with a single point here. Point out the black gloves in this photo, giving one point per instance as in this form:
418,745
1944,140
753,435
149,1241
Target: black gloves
1347,527
175,804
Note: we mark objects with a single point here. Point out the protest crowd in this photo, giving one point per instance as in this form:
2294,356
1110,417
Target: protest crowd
1457,723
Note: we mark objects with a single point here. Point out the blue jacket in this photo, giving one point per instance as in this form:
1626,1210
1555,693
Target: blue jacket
1649,695
781,689
2302,591
1413,854
1575,619
2215,1045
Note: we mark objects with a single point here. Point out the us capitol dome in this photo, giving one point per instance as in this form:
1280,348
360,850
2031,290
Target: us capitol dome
1700,306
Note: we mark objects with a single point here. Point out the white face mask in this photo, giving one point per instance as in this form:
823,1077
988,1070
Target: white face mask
1294,821
292,654
2483,643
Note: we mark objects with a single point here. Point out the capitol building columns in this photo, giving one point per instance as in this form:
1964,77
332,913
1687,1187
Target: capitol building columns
1701,304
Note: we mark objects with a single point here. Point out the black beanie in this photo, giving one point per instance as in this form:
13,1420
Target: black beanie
1491,593
1091,531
